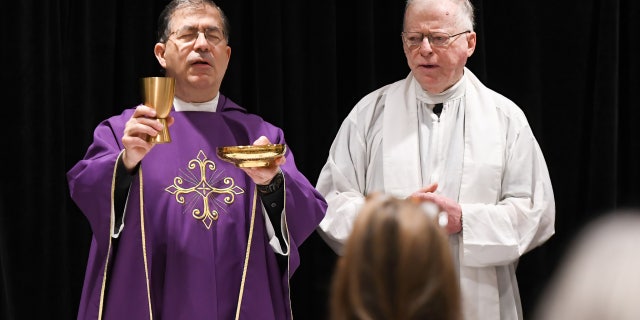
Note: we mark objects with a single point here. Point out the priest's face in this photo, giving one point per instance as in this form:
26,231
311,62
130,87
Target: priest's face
196,53
436,43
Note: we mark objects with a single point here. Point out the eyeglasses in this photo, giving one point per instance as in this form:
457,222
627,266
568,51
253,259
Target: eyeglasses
188,36
436,39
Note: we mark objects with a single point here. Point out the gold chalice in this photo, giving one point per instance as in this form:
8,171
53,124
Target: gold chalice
158,94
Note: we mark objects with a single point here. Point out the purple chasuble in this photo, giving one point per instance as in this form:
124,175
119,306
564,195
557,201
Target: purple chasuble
181,253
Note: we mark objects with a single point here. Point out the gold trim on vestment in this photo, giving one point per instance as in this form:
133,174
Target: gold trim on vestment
112,219
247,253
286,227
111,232
144,245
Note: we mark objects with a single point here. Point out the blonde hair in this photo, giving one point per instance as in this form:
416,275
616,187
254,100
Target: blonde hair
396,265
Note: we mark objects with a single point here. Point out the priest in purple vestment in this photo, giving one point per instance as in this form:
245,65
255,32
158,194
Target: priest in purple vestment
178,233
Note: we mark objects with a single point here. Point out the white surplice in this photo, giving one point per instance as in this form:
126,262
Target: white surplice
482,153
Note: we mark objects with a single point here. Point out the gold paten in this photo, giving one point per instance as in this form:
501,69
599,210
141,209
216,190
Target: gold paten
251,156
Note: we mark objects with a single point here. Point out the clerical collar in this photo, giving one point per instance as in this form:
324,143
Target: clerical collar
456,91
209,106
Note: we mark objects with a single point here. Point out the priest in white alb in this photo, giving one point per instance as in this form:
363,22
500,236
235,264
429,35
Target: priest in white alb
442,136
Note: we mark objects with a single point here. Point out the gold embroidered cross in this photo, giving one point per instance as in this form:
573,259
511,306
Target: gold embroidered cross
202,184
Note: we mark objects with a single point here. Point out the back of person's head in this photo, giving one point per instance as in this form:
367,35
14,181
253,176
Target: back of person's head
599,277
165,16
396,265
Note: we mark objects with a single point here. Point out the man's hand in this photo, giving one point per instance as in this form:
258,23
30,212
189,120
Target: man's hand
141,125
452,208
264,175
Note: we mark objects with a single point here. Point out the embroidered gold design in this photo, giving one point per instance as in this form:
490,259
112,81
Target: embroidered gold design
201,178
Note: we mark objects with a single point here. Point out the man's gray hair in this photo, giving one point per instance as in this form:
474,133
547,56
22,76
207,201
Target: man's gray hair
466,16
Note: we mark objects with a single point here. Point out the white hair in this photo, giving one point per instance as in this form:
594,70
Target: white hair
465,14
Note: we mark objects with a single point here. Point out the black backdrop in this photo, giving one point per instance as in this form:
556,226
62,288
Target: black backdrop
571,65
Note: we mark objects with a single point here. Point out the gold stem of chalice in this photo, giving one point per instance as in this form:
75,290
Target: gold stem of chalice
158,94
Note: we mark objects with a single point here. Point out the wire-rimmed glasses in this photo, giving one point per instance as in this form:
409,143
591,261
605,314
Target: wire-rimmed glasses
189,35
436,39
